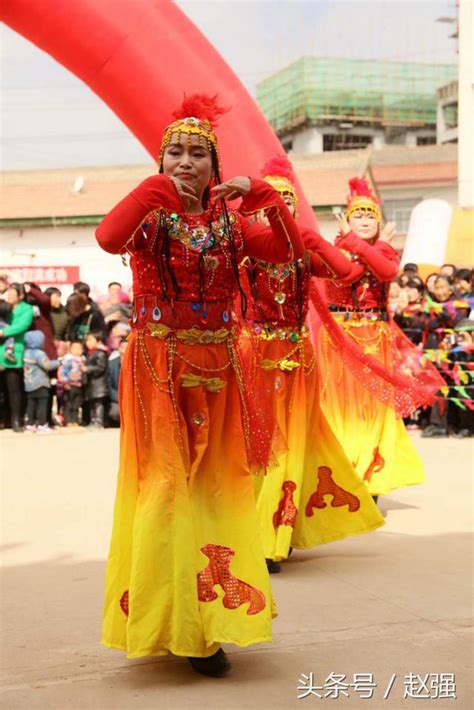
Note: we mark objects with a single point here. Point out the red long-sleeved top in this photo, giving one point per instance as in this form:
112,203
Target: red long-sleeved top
198,249
373,265
327,262
278,293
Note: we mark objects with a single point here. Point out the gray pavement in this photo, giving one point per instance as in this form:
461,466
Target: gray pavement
395,602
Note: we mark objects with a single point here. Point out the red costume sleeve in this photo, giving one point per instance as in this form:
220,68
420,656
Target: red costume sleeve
119,226
327,262
382,259
283,242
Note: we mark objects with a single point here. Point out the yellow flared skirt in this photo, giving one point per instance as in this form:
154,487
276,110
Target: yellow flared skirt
374,438
186,569
312,495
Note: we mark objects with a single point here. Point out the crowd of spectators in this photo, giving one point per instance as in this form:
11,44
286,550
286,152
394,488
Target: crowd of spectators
60,362
437,315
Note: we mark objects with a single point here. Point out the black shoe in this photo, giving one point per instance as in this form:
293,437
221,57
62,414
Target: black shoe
17,428
463,434
433,430
215,666
273,567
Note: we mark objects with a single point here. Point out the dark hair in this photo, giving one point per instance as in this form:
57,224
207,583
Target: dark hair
433,273
463,274
19,288
114,283
95,334
75,305
162,248
81,287
444,277
52,289
411,267
5,310
452,266
416,283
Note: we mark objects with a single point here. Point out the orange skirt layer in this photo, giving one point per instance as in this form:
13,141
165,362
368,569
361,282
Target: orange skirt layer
186,569
312,496
374,438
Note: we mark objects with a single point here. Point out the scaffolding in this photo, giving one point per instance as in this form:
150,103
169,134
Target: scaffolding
316,90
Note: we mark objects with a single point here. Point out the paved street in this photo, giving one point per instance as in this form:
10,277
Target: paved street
395,602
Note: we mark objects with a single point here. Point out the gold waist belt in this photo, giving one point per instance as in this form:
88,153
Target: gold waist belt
190,336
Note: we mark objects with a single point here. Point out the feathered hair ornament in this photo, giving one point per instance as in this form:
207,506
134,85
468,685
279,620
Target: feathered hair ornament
278,172
198,115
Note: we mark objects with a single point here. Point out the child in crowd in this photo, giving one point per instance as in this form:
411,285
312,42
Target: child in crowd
37,383
5,313
463,283
410,317
115,365
70,377
461,356
96,389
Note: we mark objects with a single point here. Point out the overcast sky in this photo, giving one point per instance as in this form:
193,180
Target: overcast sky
50,119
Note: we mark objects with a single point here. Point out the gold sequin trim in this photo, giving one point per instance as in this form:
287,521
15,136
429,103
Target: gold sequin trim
212,384
191,336
284,364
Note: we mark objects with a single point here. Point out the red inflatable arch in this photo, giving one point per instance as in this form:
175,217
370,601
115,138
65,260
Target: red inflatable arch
140,57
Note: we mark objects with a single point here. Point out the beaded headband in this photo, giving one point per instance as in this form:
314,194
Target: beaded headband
283,186
190,126
363,203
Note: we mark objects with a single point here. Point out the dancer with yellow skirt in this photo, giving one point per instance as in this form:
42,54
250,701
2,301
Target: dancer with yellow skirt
311,495
371,430
186,570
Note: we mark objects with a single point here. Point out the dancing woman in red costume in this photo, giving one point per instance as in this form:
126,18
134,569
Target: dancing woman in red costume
372,431
186,570
312,495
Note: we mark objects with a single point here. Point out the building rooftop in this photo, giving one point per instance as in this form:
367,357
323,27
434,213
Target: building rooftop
49,194
324,177
320,89
35,194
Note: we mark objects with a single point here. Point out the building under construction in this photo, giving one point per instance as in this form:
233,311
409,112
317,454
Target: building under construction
319,104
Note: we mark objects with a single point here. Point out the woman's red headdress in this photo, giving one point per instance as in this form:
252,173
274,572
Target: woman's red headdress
278,172
362,198
197,115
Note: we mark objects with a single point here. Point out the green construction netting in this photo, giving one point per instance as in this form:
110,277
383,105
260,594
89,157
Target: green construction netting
315,89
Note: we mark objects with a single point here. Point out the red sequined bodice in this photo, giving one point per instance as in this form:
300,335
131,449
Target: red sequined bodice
365,293
189,237
278,293
199,256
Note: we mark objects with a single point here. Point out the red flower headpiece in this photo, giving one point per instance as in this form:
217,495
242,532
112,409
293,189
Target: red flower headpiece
278,172
200,106
197,115
279,166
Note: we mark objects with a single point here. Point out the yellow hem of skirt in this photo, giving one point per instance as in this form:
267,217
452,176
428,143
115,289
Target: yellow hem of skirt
375,491
185,654
327,541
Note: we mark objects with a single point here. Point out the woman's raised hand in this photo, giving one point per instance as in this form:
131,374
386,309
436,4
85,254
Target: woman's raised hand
388,232
343,223
186,192
236,187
